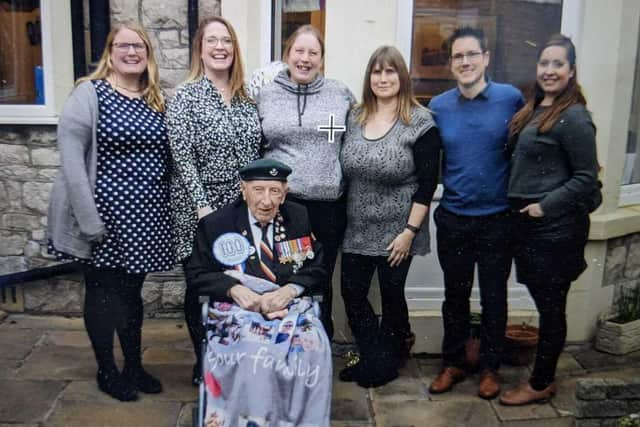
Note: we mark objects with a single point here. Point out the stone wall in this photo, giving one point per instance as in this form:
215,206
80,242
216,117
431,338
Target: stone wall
622,265
601,402
29,162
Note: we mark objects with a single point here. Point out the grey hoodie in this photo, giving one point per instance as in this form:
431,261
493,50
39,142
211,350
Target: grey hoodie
291,114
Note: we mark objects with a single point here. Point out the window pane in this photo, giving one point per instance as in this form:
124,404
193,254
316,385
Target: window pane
514,29
21,78
291,14
632,160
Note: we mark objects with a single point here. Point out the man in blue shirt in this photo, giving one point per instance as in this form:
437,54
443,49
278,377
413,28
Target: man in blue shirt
473,218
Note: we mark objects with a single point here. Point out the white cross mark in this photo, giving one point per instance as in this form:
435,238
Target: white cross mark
331,129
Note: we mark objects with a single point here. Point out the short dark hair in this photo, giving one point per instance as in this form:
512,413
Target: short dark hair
461,32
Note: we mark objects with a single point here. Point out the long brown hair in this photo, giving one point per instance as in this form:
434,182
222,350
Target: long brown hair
236,73
572,94
387,56
150,78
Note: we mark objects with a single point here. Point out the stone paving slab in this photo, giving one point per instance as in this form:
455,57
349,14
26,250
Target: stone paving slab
568,366
68,413
590,358
525,412
53,362
162,356
556,422
68,339
418,413
349,424
27,401
17,344
565,398
8,369
350,403
43,323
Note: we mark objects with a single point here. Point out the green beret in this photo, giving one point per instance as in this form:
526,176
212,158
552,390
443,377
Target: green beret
265,170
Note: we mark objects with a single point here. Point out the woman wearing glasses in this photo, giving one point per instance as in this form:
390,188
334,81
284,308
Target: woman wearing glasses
109,204
214,131
304,120
553,186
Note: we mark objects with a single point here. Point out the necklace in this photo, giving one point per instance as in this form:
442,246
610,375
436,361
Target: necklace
127,89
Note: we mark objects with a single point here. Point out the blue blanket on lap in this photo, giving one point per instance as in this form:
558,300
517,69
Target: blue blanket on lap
261,373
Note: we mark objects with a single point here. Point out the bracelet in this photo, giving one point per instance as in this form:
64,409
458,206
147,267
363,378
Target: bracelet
412,228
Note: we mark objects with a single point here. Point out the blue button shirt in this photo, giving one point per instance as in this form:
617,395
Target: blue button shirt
474,133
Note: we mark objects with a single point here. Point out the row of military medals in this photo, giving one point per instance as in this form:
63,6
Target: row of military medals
294,251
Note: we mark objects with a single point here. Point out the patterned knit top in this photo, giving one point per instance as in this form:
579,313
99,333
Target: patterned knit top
384,177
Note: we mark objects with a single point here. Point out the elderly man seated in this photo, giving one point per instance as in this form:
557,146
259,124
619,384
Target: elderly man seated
268,359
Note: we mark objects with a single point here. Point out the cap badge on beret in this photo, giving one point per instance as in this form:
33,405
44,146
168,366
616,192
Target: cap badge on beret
265,169
273,172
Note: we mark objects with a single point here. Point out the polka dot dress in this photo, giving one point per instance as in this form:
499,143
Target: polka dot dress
132,188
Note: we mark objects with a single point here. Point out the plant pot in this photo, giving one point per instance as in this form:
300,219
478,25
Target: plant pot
618,338
520,344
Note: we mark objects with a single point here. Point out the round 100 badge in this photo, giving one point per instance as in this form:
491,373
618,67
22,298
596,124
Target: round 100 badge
231,249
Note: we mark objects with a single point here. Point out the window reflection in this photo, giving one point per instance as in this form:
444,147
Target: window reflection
291,14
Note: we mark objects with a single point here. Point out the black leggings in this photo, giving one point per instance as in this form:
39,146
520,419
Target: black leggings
384,340
113,303
551,301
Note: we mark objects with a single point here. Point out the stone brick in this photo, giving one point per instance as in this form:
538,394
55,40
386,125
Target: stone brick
173,294
31,249
208,8
184,37
18,172
13,154
601,408
12,264
163,14
38,235
123,10
7,135
591,389
47,174
623,389
36,196
632,269
587,422
43,135
4,196
54,296
45,157
151,294
12,244
14,193
170,78
20,221
174,58
169,39
634,406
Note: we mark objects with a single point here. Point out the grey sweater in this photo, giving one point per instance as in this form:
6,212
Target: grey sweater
73,221
291,114
558,168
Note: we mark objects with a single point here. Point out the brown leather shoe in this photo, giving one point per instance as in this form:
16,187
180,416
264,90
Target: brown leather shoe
446,379
489,385
524,394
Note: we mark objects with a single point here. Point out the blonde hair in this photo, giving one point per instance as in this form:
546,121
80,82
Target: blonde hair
387,56
236,73
150,78
304,29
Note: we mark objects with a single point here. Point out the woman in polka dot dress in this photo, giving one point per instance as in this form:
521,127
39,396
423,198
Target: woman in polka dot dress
110,204
214,131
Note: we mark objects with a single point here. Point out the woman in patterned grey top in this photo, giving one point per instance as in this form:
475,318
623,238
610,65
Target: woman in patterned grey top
214,131
390,159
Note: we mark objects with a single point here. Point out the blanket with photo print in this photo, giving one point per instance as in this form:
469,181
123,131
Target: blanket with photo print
261,373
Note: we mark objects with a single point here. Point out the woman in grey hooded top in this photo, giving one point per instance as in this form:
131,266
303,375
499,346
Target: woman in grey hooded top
303,118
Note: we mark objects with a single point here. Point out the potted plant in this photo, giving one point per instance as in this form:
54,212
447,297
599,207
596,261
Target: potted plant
632,420
520,344
619,332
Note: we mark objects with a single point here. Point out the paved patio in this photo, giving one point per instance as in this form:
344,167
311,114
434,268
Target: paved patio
47,373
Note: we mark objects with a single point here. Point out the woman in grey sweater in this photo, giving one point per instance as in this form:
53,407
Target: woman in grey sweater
390,159
303,119
109,204
552,187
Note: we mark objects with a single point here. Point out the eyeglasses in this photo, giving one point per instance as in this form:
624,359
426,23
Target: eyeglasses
213,41
124,47
471,56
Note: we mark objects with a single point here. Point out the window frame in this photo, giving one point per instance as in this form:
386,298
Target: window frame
57,68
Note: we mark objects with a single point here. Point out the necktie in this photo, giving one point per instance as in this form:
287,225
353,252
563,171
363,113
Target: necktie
266,258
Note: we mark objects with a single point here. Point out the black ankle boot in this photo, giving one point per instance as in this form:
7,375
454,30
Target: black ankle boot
351,373
142,380
115,385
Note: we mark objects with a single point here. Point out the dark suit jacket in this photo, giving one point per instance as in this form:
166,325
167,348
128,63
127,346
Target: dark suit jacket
207,273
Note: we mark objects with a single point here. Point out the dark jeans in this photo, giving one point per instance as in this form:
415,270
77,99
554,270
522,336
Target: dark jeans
463,242
328,222
113,303
551,301
385,340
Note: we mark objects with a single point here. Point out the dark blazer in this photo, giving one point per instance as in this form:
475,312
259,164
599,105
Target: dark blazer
206,273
